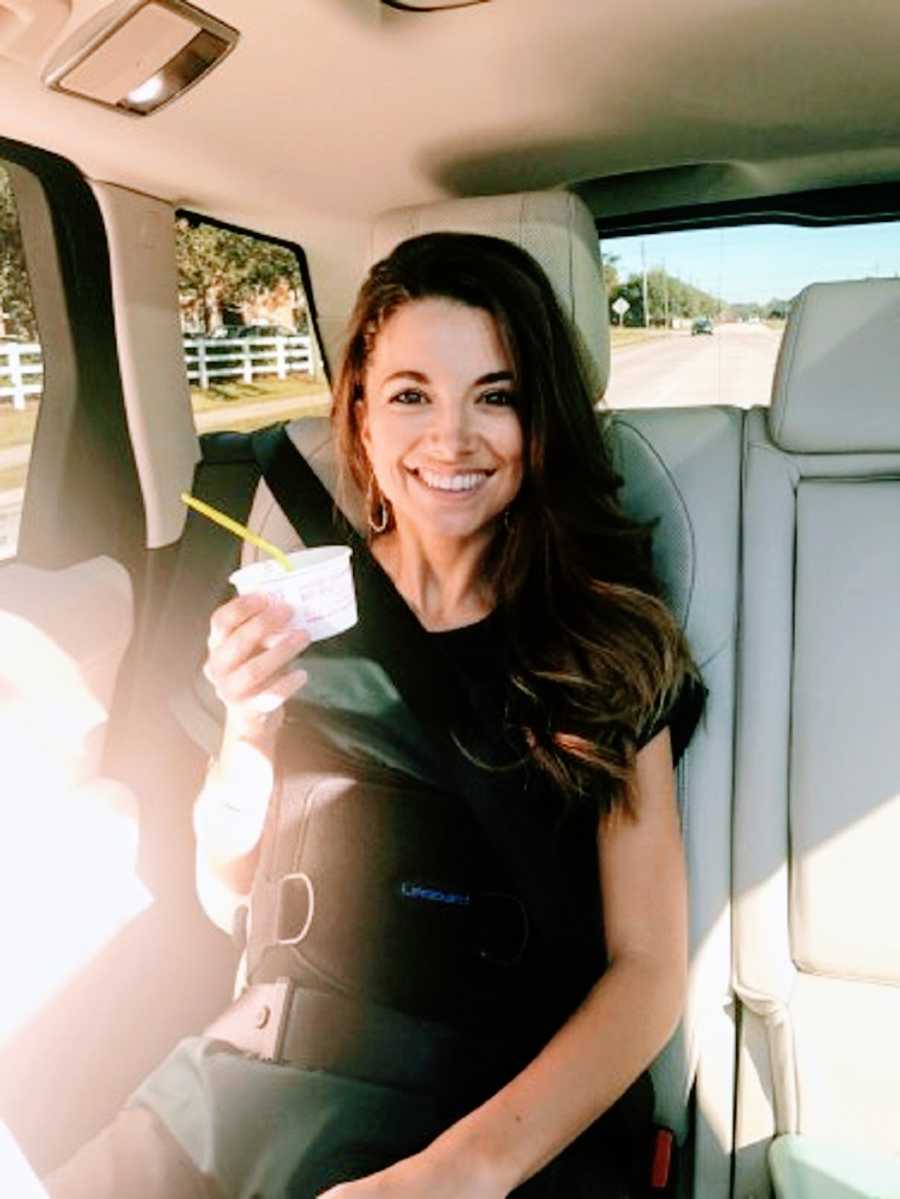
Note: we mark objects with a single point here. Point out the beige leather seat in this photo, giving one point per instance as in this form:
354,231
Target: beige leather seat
817,802
682,466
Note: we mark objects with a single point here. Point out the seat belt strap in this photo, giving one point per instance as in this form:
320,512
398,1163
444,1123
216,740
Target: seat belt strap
227,477
299,492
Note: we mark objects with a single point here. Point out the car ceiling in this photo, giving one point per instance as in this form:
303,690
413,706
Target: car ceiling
333,110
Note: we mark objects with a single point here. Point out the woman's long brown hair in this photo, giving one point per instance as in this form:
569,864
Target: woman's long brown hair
595,654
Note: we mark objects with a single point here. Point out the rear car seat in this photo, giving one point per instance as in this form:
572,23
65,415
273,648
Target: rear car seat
817,800
682,466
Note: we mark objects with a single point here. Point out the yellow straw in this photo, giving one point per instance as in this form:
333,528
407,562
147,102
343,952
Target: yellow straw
234,526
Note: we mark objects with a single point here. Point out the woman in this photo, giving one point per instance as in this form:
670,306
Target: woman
463,416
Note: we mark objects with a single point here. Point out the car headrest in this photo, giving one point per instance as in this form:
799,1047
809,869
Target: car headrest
556,228
835,388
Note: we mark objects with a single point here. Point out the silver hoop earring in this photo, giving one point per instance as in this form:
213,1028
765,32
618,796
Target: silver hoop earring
382,523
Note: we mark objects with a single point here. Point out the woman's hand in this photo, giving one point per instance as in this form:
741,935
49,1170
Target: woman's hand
250,651
426,1175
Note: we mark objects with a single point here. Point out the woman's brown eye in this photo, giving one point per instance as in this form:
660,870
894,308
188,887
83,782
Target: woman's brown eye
499,398
407,397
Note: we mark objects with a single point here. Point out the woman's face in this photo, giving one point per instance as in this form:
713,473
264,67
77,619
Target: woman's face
439,421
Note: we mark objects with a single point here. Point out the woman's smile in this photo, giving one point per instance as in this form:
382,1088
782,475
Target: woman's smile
457,484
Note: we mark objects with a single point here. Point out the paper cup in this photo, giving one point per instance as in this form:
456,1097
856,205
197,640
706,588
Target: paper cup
319,588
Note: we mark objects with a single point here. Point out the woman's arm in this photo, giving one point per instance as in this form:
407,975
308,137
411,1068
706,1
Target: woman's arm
248,664
615,1034
229,817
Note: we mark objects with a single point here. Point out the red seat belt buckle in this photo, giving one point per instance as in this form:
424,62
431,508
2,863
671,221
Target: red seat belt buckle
661,1159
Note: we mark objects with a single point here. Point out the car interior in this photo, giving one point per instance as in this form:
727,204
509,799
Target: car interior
334,130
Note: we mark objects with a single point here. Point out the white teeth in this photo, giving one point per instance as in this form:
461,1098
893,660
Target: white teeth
452,482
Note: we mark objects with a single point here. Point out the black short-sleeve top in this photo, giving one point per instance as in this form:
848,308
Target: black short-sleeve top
681,717
560,839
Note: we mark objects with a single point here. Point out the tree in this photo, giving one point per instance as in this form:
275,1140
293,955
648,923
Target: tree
16,311
611,273
665,293
777,309
219,269
631,291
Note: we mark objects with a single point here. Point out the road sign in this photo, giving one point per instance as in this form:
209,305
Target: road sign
620,306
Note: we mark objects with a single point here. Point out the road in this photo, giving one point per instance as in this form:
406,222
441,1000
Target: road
733,366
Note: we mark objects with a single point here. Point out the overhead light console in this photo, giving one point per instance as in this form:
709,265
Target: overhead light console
136,56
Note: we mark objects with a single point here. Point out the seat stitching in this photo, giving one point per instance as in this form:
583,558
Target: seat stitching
728,642
690,524
790,351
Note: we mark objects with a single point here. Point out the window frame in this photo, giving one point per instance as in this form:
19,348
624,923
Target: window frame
195,218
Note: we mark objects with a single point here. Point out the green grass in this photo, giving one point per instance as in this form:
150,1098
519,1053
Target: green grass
631,336
17,427
12,477
234,391
248,423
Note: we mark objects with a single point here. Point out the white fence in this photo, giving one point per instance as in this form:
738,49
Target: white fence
243,358
21,371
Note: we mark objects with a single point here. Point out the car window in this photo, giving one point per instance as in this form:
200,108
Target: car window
249,345
697,317
21,369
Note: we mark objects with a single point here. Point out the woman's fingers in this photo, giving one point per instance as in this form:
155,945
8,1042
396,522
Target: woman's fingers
261,672
277,692
237,630
231,615
249,646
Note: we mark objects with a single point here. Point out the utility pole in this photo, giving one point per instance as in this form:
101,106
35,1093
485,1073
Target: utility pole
644,277
666,293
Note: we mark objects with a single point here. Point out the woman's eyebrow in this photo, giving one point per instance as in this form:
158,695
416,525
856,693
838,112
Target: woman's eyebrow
494,377
405,374
491,377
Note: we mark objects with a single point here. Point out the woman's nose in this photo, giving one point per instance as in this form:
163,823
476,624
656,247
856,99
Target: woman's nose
451,427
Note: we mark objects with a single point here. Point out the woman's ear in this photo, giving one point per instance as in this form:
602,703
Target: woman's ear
362,423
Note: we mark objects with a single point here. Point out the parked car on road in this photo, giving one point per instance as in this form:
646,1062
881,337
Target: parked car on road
231,331
702,325
263,331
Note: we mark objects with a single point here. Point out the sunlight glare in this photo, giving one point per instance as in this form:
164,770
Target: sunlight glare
16,1175
68,841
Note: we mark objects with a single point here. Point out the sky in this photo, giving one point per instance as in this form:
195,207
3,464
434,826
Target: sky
757,263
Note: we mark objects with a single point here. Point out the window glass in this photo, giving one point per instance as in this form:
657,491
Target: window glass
21,370
250,352
697,317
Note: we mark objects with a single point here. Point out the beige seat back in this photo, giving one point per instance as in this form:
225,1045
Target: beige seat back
682,466
817,802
